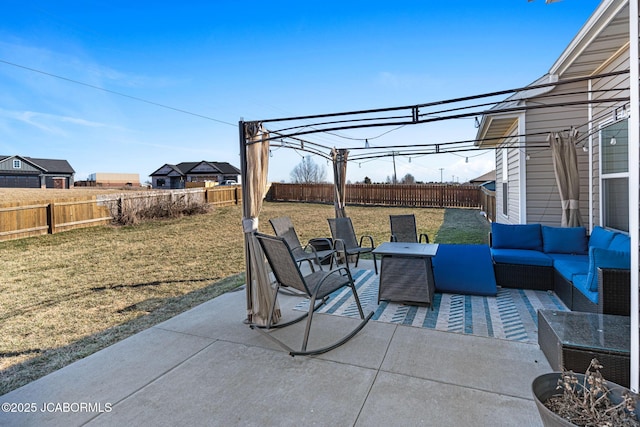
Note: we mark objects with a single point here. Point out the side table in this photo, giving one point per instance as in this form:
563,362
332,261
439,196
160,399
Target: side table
570,339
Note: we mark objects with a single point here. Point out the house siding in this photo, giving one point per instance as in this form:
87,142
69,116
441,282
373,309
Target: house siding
605,88
542,196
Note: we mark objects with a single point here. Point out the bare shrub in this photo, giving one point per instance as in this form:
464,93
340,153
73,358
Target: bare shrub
133,211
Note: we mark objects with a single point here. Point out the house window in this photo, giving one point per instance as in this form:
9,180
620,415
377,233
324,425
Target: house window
17,164
614,175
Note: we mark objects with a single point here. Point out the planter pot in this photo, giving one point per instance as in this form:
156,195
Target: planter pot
544,387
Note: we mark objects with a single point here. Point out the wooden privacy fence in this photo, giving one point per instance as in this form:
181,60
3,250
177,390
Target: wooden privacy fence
420,195
488,203
32,219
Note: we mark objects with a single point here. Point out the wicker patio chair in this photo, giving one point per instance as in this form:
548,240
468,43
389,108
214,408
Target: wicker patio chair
283,227
403,229
317,286
345,241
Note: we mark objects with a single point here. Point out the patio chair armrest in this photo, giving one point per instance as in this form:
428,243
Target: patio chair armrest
370,240
426,238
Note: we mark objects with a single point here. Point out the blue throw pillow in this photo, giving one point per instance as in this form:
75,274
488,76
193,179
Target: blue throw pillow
564,240
600,238
605,258
516,236
621,242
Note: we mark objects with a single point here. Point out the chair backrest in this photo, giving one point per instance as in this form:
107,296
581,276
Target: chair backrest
282,262
403,228
342,228
283,227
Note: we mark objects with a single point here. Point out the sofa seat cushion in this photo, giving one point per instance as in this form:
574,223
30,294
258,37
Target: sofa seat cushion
564,240
580,283
516,236
572,258
570,265
521,256
600,238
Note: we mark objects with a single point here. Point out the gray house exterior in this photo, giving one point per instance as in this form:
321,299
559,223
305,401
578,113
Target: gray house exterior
526,189
177,176
28,172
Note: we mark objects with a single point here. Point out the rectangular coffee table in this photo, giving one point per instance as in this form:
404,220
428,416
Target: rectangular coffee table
571,339
406,273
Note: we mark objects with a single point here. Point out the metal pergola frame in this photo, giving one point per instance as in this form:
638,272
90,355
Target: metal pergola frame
288,132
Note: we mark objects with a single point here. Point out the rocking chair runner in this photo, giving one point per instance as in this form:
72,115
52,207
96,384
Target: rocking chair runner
403,229
317,286
345,240
283,227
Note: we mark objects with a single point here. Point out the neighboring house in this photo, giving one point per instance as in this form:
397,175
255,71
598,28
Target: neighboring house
27,172
488,180
176,176
526,189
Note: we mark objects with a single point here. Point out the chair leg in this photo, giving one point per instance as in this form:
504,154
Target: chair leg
357,259
375,266
357,300
307,329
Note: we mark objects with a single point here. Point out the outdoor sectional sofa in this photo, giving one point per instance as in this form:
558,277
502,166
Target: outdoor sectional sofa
588,273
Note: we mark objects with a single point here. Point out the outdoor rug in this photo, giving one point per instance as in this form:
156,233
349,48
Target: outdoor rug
511,315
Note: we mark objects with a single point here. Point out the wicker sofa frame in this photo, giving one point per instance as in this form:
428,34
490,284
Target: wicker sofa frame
614,293
522,276
614,290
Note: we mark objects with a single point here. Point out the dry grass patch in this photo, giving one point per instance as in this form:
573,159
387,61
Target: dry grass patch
67,295
41,195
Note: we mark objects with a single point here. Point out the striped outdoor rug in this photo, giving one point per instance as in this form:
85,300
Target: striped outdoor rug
511,315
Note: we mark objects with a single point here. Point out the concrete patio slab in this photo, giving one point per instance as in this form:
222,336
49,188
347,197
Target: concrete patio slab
400,400
102,379
490,364
206,367
216,388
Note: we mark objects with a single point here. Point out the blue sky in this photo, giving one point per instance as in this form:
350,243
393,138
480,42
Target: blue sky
214,62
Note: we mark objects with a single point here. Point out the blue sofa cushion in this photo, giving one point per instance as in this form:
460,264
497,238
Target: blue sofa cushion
600,238
516,236
571,265
464,269
580,283
570,257
605,258
621,242
521,256
564,240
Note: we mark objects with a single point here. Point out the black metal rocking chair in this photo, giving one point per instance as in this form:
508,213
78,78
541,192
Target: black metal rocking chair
317,286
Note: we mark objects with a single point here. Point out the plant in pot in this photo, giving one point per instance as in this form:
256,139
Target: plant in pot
568,399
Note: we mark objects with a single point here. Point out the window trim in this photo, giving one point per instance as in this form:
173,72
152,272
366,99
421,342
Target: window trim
612,175
17,164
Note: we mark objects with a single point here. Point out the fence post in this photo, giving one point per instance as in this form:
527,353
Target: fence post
51,217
